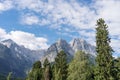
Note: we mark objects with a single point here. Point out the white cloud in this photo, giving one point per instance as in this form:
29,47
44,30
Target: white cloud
78,17
116,46
26,39
2,33
109,10
5,5
29,19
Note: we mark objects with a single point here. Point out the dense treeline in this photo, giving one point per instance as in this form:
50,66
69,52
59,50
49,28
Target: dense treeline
80,67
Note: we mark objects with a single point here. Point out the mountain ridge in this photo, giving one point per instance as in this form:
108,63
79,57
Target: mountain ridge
19,58
22,58
69,48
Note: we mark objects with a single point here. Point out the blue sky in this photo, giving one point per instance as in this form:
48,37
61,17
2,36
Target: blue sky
45,21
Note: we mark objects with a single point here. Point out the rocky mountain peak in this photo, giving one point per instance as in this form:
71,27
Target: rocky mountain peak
8,43
61,41
81,44
56,47
77,41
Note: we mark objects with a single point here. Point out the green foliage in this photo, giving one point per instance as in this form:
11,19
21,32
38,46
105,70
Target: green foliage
60,67
36,73
104,59
80,67
37,65
46,63
9,76
57,75
117,65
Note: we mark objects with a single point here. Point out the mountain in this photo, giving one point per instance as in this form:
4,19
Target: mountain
17,59
70,49
21,51
55,48
81,44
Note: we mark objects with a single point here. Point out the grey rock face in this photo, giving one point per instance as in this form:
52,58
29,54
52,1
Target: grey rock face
80,44
17,59
70,49
55,48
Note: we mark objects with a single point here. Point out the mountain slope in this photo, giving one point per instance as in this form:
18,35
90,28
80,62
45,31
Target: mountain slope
55,48
17,59
80,44
70,49
10,63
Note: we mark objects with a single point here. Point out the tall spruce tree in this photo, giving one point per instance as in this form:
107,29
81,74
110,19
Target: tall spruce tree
80,67
117,65
36,72
60,66
104,59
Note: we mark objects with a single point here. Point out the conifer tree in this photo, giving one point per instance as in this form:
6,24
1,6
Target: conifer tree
57,75
117,65
60,66
46,63
104,59
36,72
80,67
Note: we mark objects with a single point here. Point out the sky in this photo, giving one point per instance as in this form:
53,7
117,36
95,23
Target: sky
37,24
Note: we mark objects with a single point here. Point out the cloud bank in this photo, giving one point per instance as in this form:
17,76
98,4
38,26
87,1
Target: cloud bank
77,16
26,39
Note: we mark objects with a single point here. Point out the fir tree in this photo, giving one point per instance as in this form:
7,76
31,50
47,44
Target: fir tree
117,65
80,67
36,72
60,67
104,59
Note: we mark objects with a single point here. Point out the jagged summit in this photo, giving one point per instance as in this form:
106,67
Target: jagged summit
70,49
22,58
8,43
81,44
60,40
56,47
17,58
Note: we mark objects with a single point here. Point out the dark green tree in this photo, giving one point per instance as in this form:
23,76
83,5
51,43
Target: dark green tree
80,67
117,65
36,72
104,59
60,66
